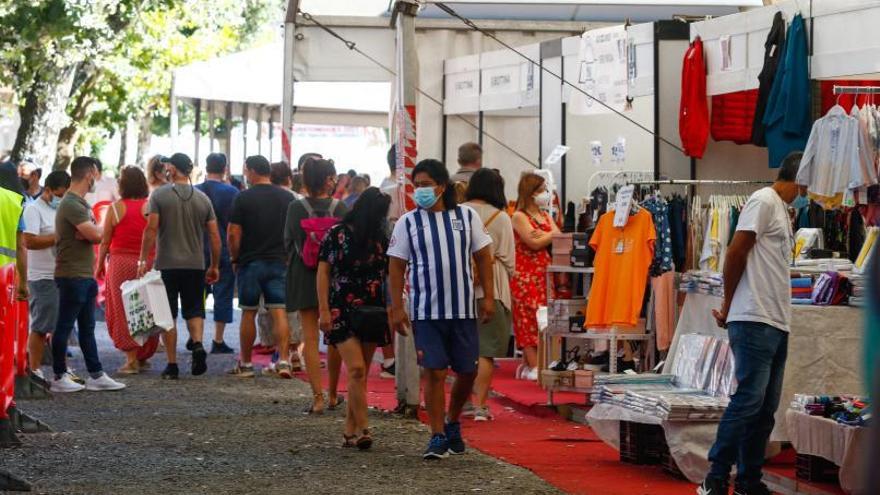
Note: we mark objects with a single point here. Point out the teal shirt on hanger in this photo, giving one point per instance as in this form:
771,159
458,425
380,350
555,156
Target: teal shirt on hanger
789,109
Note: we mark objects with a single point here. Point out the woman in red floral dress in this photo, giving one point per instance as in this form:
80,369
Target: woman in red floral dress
534,231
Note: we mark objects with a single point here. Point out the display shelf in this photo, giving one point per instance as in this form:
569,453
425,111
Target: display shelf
599,335
569,269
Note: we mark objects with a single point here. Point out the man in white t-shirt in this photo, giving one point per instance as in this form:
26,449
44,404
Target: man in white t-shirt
39,238
757,315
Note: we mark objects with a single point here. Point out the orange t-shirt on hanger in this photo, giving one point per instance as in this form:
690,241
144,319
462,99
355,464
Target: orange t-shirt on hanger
623,256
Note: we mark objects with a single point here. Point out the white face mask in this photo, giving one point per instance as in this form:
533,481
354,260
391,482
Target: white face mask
543,199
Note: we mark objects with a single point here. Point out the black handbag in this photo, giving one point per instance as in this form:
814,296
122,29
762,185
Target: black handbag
370,323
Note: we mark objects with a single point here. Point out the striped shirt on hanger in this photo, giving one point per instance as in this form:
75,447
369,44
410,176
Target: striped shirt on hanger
438,247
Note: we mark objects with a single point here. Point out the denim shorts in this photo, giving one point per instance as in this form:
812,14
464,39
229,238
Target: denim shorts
442,344
262,278
43,305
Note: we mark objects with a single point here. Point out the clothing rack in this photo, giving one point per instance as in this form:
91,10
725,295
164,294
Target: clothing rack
856,90
618,176
690,182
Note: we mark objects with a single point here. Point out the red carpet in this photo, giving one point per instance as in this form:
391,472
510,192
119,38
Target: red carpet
565,454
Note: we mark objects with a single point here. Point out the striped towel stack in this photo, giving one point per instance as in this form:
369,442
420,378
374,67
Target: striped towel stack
802,290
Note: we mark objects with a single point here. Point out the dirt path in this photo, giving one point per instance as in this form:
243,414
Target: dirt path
219,435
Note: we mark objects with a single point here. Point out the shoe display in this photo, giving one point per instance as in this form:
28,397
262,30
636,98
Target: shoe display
65,385
712,486
199,359
483,414
103,384
453,438
221,348
171,372
389,371
438,448
242,371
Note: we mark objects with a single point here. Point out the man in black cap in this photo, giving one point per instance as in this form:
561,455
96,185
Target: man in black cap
179,214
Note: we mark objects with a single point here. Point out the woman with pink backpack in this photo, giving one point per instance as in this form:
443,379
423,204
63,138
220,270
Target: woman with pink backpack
308,221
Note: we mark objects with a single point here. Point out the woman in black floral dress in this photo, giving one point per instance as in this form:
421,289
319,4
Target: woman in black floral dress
351,299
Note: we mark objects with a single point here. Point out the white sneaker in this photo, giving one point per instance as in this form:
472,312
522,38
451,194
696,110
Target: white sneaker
65,385
532,375
103,383
519,371
39,374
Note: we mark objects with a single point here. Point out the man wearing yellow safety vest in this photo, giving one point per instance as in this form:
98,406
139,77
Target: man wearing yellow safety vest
12,247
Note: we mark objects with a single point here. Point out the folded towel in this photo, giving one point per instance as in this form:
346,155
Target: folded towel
802,282
803,301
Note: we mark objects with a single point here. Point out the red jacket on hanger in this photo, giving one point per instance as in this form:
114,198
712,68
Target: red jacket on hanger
693,121
733,115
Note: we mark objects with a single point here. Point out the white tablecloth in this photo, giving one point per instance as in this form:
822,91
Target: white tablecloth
845,446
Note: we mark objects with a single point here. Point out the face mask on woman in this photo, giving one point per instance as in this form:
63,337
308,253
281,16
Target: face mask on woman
543,199
425,197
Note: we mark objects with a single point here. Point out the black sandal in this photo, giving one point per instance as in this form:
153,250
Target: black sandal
310,409
365,441
350,441
340,399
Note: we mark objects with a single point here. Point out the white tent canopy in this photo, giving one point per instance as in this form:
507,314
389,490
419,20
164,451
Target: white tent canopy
254,77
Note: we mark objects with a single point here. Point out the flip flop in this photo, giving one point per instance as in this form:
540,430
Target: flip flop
339,401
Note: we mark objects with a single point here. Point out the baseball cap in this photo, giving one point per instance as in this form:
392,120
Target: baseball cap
181,162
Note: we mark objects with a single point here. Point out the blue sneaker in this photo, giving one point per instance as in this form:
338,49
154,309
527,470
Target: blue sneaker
438,448
453,435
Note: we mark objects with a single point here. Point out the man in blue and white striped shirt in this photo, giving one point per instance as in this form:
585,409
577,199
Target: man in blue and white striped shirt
437,241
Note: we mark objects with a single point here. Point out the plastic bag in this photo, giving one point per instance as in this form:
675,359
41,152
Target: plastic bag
147,310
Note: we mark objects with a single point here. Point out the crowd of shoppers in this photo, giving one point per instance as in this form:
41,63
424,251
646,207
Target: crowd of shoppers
318,254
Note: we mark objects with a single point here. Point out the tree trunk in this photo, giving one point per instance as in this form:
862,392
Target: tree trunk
43,115
123,145
66,146
145,135
84,80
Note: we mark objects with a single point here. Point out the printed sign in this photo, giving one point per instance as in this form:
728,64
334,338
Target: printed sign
596,152
558,152
602,72
618,151
622,205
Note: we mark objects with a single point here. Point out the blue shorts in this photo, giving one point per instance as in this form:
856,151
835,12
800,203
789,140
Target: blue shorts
442,344
262,278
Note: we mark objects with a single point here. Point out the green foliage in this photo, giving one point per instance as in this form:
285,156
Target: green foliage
124,50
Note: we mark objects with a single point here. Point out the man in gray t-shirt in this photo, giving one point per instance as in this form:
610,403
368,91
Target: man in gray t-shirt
179,215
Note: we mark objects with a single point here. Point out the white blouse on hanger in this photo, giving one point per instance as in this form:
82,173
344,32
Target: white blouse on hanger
838,157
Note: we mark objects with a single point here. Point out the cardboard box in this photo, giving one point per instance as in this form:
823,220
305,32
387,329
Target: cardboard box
583,378
562,243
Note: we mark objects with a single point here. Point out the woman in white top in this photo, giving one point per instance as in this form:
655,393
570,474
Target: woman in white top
485,194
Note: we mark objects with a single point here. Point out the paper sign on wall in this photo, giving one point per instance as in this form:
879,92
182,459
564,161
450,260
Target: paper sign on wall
596,152
726,57
618,151
558,152
602,72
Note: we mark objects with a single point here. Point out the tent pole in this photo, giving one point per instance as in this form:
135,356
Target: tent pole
245,120
174,117
403,19
288,80
227,145
212,120
259,129
197,131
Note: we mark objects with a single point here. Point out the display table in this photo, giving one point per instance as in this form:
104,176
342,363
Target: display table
843,445
823,349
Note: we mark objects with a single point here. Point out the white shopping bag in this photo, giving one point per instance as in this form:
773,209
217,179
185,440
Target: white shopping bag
146,306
